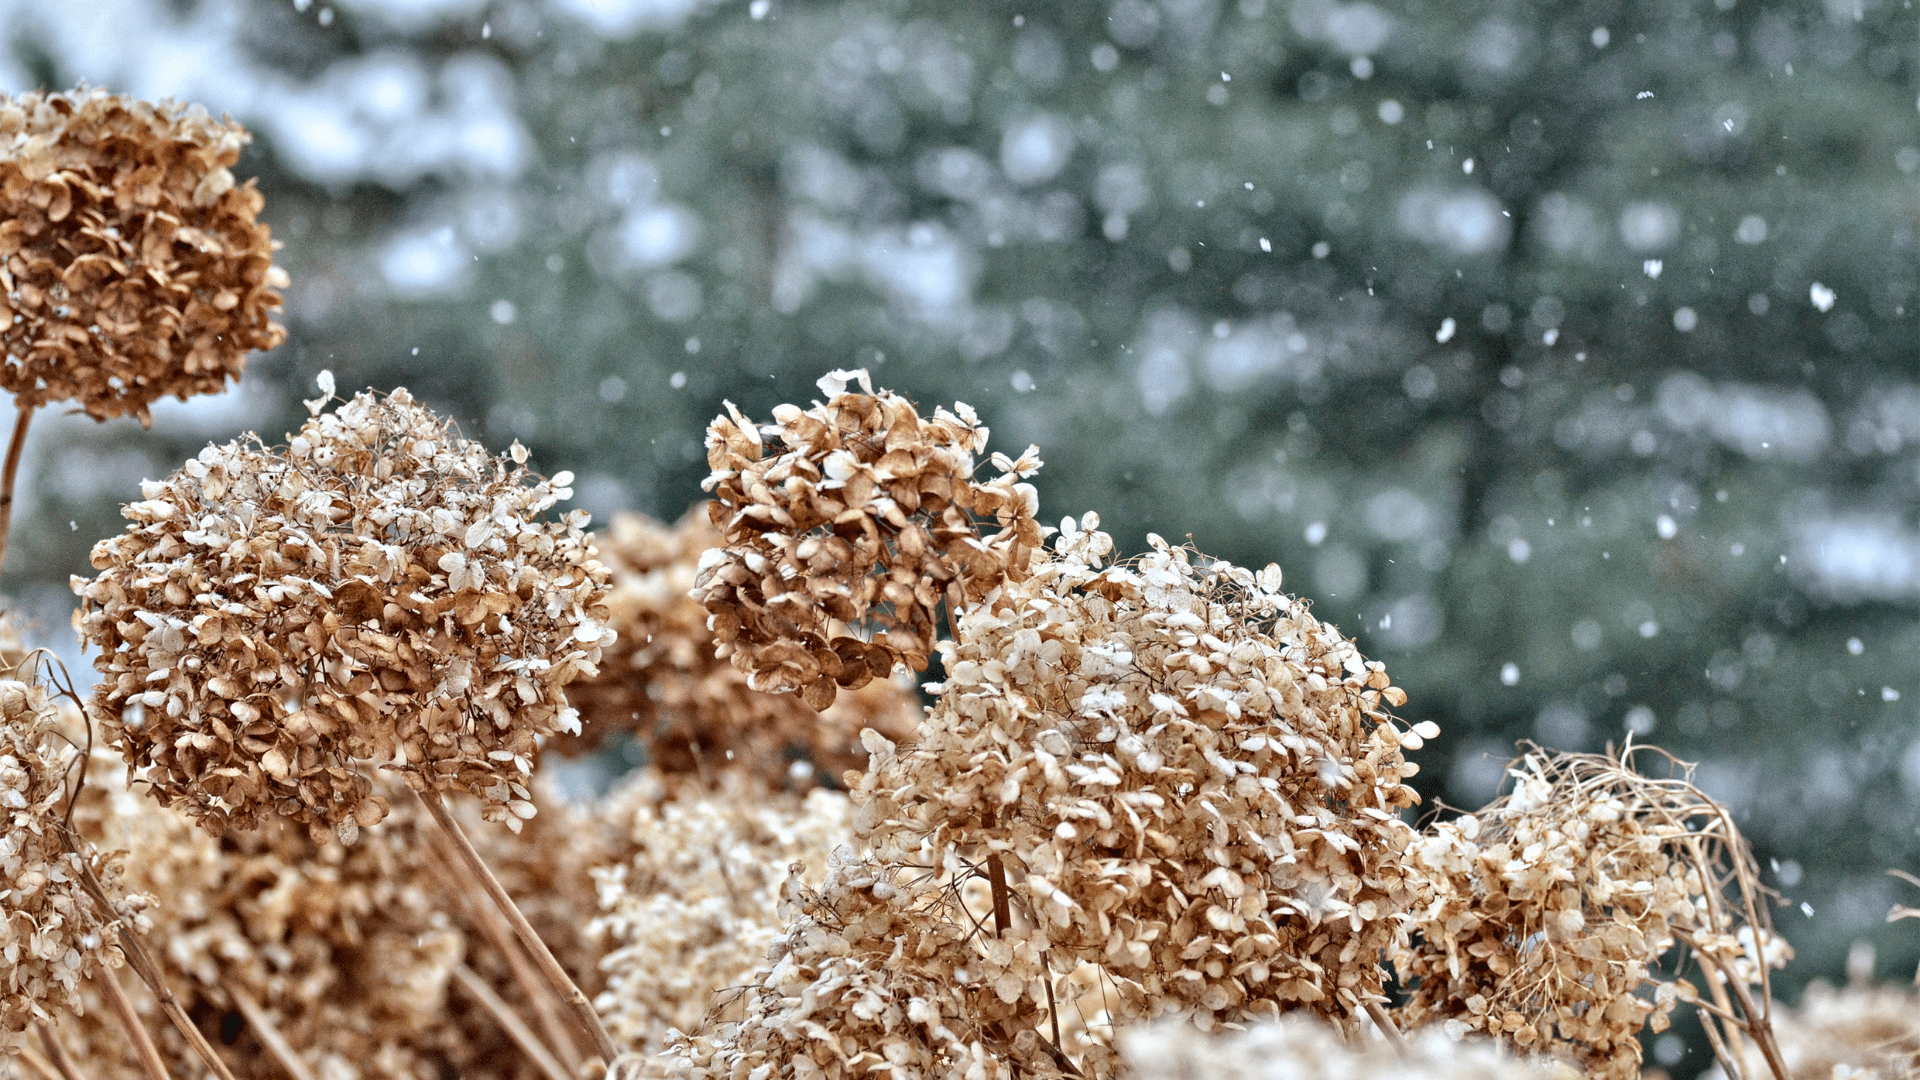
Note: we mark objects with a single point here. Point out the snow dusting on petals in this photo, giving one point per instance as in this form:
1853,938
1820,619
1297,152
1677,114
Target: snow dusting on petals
280,623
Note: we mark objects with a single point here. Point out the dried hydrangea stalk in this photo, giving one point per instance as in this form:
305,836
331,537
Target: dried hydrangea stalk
348,949
54,930
1550,909
688,917
382,591
1193,784
1300,1048
846,525
1864,1031
690,710
133,262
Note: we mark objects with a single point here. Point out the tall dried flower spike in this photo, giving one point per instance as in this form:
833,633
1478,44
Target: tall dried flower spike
689,709
134,266
846,525
1549,911
380,592
54,931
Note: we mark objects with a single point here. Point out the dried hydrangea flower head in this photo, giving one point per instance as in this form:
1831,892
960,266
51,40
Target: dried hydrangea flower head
875,971
1193,785
1550,910
846,525
663,681
134,266
380,592
692,911
1300,1048
348,949
53,930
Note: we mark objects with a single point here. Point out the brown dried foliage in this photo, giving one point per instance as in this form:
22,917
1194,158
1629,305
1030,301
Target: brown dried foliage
663,681
133,266
688,915
1861,1032
1552,907
349,948
1190,785
381,591
846,525
53,931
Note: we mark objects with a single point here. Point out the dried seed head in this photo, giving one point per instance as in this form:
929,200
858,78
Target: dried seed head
1192,782
845,527
381,592
134,266
1300,1048
689,709
52,929
1548,912
688,916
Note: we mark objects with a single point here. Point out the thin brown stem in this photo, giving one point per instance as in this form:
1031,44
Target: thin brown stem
57,1053
9,471
538,994
38,1062
997,881
149,973
1388,1029
510,1021
149,1054
555,975
269,1033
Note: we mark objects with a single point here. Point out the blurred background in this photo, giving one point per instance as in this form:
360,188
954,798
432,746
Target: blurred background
1561,353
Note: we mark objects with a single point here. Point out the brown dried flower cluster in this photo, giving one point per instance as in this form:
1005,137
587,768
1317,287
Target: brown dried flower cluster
1193,782
1552,906
349,949
663,681
693,910
382,591
1167,773
1299,1048
878,971
846,525
53,930
134,266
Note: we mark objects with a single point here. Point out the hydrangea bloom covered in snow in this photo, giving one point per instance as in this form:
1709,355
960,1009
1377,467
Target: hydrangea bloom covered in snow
382,591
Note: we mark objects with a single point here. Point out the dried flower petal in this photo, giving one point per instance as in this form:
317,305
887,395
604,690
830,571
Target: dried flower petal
691,710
